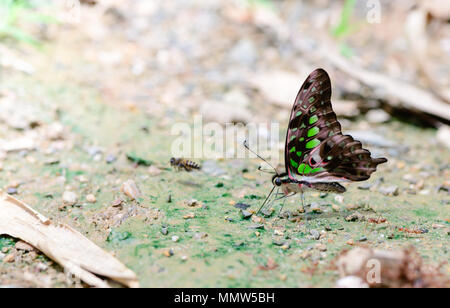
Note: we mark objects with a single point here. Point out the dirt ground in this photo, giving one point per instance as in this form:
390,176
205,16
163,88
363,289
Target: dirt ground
96,93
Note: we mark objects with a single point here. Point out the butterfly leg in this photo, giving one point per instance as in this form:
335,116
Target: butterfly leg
267,198
306,214
284,201
280,198
282,206
275,198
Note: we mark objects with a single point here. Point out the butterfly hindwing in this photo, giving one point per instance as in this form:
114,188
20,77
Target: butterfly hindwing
315,146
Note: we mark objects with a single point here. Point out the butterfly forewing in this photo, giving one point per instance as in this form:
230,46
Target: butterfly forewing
315,146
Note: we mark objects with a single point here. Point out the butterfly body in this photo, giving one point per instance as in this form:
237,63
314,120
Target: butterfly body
317,155
289,186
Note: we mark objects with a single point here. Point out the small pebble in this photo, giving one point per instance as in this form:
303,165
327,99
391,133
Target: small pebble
246,214
410,178
82,179
267,212
189,216
117,202
285,246
130,189
278,232
389,190
365,186
192,203
10,258
21,245
315,207
278,242
285,214
315,234
355,217
335,207
256,226
363,239
69,198
377,116
91,198
321,247
200,235
110,159
339,199
11,191
164,231
175,238
41,267
168,253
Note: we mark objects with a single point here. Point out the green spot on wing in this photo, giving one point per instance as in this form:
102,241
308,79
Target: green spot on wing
301,168
292,150
299,153
313,131
319,169
294,163
311,99
307,169
313,119
312,143
293,137
299,113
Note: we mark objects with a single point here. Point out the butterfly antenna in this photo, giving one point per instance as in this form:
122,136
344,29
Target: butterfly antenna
265,170
247,147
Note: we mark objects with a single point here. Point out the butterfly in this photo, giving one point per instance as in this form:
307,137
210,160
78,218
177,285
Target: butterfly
317,155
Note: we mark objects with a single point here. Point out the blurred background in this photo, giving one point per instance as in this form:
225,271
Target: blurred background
82,83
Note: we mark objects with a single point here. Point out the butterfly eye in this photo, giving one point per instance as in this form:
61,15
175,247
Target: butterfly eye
277,182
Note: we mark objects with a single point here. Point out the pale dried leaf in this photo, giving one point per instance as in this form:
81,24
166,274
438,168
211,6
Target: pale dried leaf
68,247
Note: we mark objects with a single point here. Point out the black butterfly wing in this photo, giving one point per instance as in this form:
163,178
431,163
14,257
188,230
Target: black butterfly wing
315,147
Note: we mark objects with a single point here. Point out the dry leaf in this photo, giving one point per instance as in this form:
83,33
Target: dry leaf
68,247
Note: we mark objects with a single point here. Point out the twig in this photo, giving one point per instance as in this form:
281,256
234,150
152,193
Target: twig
408,94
